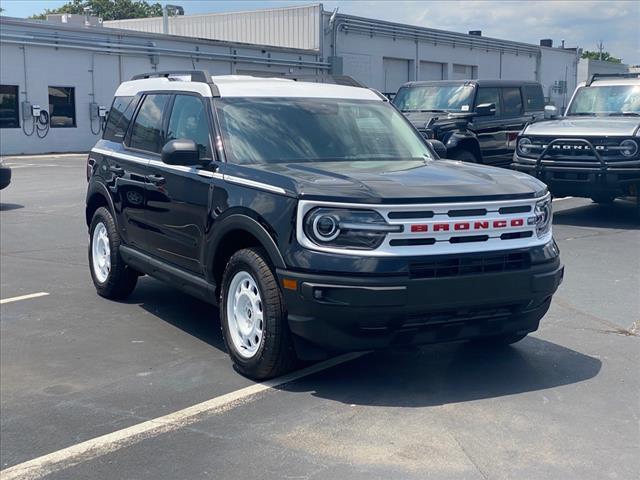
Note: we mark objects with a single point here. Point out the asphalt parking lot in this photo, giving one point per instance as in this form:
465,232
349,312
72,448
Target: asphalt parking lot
563,403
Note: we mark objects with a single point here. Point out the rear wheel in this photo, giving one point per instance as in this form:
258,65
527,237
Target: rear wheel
111,276
463,156
254,318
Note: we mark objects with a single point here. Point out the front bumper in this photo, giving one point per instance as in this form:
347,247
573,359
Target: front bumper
585,179
345,313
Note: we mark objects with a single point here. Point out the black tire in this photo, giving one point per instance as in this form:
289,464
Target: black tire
121,279
463,156
275,354
498,340
603,199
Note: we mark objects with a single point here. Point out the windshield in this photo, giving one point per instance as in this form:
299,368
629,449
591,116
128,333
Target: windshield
450,98
610,100
279,130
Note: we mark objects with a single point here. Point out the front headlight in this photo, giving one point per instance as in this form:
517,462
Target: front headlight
347,228
628,148
543,216
524,146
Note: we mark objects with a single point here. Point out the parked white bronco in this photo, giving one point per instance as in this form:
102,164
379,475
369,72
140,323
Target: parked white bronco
593,151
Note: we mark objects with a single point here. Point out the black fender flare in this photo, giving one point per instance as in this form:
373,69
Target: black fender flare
98,188
239,221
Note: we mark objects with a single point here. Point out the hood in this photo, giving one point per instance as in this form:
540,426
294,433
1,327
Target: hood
399,181
585,127
421,119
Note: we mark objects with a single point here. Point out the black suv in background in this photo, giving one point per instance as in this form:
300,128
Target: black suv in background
477,120
315,216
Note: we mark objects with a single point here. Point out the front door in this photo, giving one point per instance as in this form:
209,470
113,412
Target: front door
514,120
178,196
490,129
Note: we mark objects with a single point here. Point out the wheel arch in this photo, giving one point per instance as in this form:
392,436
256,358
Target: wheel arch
97,196
468,142
235,232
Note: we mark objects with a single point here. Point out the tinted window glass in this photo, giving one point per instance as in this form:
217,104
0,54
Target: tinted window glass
512,101
119,118
62,107
455,98
147,129
275,130
533,98
489,95
9,106
189,120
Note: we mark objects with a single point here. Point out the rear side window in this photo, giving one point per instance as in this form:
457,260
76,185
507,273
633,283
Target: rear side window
146,133
189,120
119,118
490,95
512,101
533,97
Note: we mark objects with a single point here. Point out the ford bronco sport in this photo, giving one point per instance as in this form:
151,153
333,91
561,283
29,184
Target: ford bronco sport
477,120
315,216
594,150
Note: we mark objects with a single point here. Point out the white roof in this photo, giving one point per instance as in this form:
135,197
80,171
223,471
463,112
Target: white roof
247,86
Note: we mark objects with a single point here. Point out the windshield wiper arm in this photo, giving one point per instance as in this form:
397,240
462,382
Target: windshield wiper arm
582,114
624,114
432,110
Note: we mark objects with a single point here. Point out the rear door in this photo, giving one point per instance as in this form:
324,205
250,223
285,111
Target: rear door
489,129
140,147
178,196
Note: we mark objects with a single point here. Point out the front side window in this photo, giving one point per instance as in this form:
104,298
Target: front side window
62,107
279,130
533,98
612,100
490,95
9,117
449,98
146,133
512,101
189,120
119,118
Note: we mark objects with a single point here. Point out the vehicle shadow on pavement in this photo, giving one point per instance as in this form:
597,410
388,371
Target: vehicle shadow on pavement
621,214
450,373
9,206
192,316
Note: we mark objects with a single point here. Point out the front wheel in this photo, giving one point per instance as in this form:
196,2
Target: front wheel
603,199
254,317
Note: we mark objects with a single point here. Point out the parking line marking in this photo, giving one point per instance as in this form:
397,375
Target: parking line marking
111,442
23,297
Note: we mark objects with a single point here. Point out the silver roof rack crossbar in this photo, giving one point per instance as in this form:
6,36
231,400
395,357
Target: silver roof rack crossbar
195,75
597,76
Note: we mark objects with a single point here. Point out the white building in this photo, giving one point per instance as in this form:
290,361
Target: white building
70,69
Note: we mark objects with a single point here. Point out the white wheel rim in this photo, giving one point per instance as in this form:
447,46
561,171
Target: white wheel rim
101,252
245,314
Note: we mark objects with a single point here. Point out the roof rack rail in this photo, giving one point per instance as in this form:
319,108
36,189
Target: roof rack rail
202,76
597,76
335,79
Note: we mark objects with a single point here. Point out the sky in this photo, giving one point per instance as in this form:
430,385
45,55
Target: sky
580,23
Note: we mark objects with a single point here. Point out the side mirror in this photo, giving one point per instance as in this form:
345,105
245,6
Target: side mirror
181,151
485,109
550,112
438,146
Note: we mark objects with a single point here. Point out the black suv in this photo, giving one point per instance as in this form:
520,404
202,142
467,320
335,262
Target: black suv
477,120
315,216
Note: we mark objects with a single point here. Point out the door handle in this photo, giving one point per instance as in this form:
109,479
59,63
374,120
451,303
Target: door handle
116,170
157,180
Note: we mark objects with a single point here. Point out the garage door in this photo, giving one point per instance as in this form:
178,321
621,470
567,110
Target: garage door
431,71
464,72
396,72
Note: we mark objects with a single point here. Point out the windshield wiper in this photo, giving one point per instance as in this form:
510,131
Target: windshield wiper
582,114
624,114
432,110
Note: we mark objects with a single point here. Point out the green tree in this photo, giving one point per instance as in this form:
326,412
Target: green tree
606,56
108,9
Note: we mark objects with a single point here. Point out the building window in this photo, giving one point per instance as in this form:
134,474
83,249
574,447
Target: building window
62,107
9,106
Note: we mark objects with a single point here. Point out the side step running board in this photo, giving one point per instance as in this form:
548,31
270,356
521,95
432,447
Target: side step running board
185,281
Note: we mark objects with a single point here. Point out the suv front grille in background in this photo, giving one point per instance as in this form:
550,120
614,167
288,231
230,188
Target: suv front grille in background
576,151
470,265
